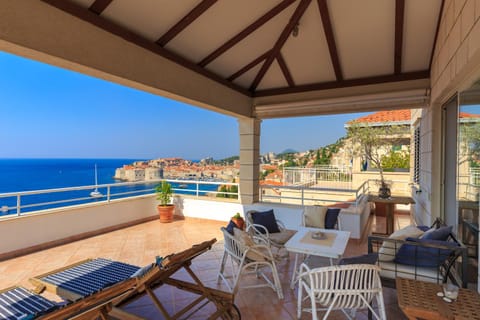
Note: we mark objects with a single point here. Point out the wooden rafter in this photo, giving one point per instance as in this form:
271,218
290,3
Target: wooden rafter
425,74
111,27
399,21
332,47
99,6
185,21
249,66
280,42
245,32
285,71
436,34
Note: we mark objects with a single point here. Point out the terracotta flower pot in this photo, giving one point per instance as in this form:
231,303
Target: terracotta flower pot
239,222
166,213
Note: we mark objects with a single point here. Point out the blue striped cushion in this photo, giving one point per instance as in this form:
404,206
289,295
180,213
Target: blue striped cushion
20,303
92,276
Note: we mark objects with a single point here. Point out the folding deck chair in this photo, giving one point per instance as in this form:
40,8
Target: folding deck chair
18,303
161,273
106,284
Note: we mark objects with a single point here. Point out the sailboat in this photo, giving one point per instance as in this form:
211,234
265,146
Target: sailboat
95,193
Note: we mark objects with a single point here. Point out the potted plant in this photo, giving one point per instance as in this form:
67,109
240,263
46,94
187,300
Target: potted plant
238,220
165,208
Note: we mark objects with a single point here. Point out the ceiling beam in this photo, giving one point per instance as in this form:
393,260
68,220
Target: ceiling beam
245,32
425,74
436,33
399,21
99,6
285,71
249,66
185,21
332,47
131,37
280,42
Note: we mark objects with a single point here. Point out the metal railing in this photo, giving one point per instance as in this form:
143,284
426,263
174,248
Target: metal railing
333,176
305,195
19,203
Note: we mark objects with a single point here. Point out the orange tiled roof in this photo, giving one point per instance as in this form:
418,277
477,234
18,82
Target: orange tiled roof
386,116
270,182
468,115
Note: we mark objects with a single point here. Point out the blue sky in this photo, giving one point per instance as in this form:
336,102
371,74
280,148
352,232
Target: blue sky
48,112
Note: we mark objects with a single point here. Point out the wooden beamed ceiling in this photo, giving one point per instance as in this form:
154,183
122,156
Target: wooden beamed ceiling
264,62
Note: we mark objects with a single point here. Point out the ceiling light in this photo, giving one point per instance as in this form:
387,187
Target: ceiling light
295,30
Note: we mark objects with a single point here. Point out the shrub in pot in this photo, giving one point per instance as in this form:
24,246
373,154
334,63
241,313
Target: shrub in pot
164,195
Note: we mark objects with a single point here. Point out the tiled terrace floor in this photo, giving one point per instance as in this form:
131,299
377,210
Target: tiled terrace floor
140,244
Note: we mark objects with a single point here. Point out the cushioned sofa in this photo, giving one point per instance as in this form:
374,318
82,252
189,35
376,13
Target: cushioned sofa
430,254
355,217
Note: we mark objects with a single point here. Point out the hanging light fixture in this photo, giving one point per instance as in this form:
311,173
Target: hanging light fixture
295,30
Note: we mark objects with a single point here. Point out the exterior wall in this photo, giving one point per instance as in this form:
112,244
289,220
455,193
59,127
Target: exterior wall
455,67
425,190
56,224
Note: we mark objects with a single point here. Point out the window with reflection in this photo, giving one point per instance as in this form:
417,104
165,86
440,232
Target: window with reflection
468,169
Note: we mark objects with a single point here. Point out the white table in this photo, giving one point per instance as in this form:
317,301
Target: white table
298,245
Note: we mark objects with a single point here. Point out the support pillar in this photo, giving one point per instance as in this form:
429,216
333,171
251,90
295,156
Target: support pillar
249,130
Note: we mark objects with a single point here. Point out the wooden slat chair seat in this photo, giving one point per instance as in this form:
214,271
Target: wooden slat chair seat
85,278
20,303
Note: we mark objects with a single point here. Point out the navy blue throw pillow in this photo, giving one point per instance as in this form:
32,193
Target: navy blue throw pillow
266,219
423,228
230,227
441,234
420,256
331,217
370,258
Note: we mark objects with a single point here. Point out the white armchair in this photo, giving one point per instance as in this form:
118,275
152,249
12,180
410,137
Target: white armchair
276,239
342,287
248,256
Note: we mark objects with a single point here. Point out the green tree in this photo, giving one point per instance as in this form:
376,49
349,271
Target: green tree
396,160
371,142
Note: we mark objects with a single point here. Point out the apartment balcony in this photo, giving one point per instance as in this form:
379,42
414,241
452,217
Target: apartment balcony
139,244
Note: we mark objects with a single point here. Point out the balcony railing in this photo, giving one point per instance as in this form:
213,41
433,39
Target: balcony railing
19,203
306,195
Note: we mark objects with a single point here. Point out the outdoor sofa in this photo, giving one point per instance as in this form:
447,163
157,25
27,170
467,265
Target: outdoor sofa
420,256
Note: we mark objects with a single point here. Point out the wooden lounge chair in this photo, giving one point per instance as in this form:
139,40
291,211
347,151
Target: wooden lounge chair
106,284
18,303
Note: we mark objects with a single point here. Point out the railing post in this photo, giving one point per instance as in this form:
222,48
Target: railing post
108,193
197,186
18,205
303,196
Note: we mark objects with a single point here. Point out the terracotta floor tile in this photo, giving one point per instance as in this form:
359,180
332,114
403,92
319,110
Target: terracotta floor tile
140,244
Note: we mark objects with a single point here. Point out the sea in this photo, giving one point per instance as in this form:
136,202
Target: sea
18,175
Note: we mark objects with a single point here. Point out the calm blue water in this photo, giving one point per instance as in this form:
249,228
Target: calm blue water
39,174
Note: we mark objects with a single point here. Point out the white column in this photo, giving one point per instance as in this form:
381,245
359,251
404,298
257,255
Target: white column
249,130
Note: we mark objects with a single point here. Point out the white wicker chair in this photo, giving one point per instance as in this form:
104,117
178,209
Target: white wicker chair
247,259
345,287
276,240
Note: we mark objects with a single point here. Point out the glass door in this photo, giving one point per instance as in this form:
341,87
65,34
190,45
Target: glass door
468,170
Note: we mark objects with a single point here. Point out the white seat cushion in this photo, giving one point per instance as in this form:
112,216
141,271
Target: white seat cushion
388,250
281,237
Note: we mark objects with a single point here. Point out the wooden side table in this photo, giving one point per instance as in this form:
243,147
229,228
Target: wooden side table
418,299
390,207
